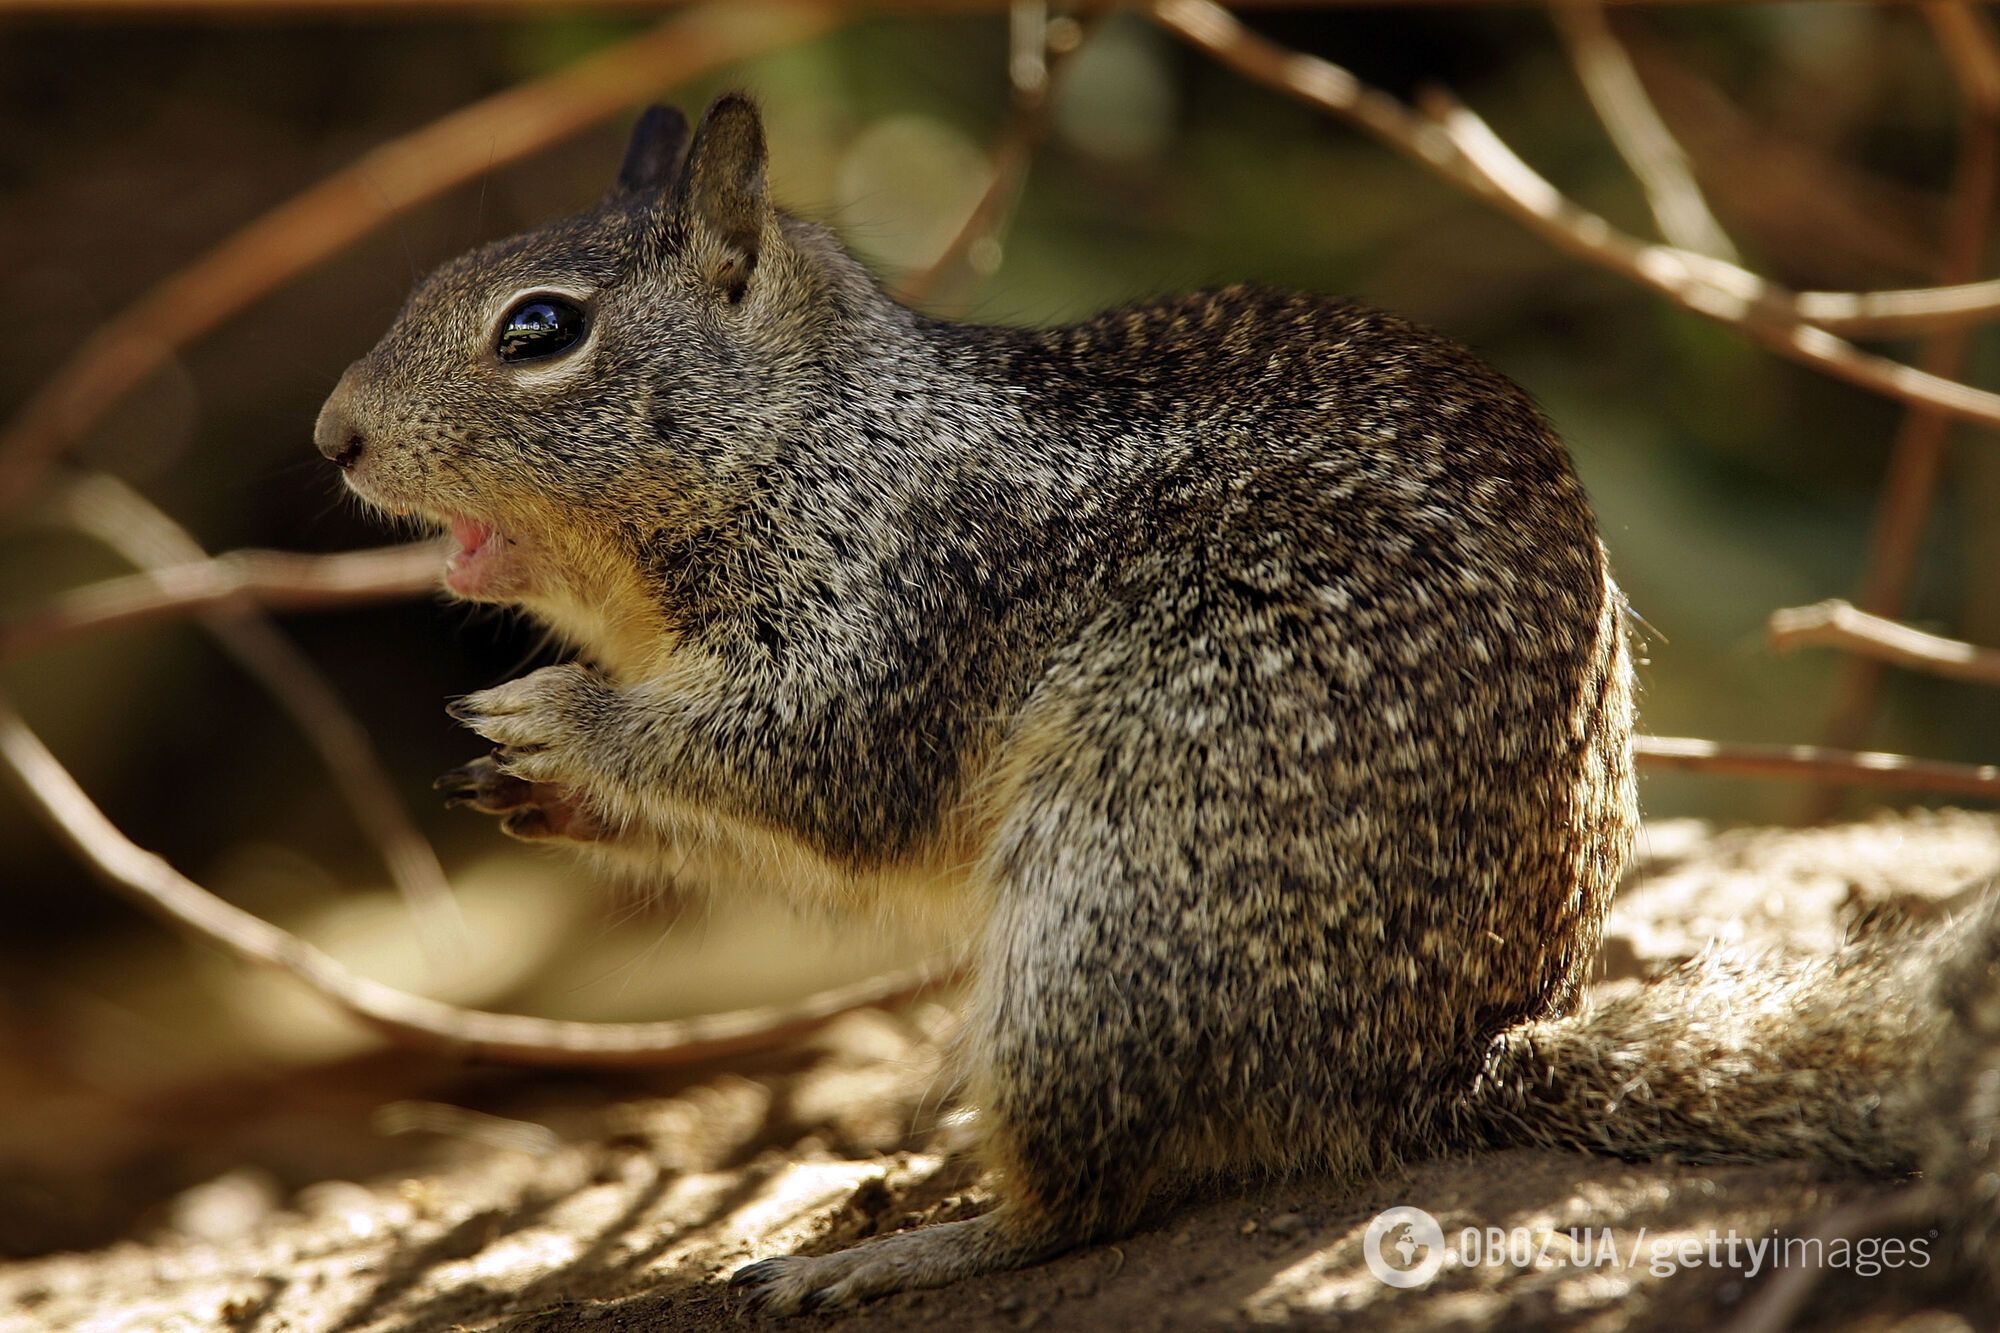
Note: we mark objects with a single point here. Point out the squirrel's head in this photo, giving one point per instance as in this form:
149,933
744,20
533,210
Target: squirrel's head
572,401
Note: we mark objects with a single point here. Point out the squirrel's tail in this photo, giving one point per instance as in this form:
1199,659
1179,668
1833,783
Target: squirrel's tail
1736,1057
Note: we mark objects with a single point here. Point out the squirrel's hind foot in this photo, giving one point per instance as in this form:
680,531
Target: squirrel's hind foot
930,1256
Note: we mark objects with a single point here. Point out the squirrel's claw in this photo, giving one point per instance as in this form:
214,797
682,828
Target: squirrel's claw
530,811
485,786
904,1261
757,1276
765,1291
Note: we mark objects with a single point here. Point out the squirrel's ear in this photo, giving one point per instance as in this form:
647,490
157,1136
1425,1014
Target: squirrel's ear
653,153
722,194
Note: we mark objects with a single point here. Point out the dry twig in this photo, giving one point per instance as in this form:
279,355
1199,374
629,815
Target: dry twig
273,580
411,1020
1861,314
1635,127
1013,154
1449,140
384,183
1839,624
1818,764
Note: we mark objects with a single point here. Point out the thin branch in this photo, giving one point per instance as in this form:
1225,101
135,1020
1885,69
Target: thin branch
1636,129
411,1020
273,580
1916,462
1027,126
1814,763
382,184
112,512
1838,624
1694,281
1914,309
1449,140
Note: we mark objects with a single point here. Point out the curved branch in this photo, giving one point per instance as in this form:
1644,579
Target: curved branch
1641,137
1910,310
1839,624
1454,144
411,1020
1013,154
1706,286
1815,763
273,580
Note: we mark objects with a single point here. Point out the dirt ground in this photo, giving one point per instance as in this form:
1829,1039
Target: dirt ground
389,1192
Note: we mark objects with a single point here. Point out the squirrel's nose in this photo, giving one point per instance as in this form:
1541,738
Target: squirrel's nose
346,452
338,436
338,439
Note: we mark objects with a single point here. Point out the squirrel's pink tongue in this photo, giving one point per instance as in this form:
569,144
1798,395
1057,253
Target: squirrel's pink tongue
469,535
470,571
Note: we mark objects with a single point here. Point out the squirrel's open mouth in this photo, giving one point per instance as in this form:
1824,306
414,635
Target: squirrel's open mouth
486,567
478,569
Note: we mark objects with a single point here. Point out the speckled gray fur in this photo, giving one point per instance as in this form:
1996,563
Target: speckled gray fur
1239,675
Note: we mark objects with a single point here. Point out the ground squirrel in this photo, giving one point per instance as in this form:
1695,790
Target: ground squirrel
1238,675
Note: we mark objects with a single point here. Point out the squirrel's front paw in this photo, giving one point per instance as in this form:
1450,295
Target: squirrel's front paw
543,724
530,811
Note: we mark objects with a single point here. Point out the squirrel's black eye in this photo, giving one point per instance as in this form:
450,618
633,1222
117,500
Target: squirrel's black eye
539,326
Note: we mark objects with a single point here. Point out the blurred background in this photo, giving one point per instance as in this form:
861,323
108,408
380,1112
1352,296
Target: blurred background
1728,481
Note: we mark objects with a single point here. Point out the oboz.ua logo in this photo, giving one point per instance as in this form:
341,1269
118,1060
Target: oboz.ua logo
1403,1247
